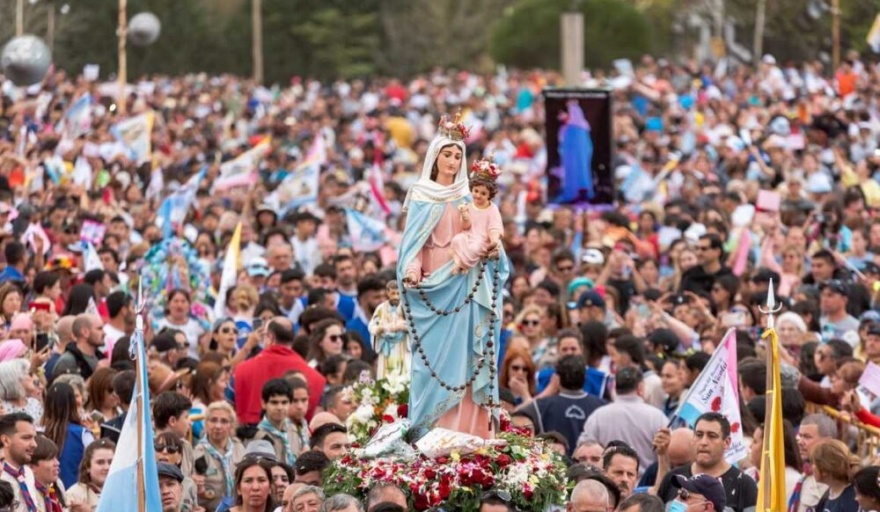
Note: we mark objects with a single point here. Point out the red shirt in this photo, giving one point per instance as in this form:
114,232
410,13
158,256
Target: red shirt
271,363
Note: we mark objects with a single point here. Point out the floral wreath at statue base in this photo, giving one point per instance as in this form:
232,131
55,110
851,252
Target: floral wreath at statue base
455,479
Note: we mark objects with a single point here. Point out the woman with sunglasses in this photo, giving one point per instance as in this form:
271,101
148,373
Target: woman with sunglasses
224,335
530,323
327,339
93,471
221,451
103,404
169,448
518,375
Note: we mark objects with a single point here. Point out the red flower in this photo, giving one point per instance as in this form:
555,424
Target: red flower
445,489
442,460
504,423
504,460
430,474
402,410
421,501
387,418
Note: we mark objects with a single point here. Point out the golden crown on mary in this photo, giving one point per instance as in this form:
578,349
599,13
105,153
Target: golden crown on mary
455,129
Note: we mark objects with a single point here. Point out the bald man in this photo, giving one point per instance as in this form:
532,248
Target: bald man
674,448
64,330
323,418
589,495
81,356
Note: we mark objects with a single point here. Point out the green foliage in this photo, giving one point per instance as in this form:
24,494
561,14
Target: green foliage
529,35
187,42
342,45
790,34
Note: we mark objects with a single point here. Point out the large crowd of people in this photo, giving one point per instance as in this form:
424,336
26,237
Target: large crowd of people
727,179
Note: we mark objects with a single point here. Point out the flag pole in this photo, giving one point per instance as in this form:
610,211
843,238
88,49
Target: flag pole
139,338
122,79
769,310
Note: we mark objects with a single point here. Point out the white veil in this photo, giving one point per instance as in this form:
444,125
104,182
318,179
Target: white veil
426,189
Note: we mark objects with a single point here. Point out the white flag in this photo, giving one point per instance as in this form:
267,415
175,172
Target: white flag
717,390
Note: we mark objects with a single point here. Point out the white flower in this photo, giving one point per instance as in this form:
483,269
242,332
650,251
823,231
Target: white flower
362,414
517,475
367,396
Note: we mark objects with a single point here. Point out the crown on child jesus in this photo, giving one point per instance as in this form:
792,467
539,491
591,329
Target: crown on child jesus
455,129
486,168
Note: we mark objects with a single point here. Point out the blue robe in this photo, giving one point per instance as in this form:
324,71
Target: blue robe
453,343
576,152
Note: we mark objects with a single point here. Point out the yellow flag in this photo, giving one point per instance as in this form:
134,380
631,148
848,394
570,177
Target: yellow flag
229,276
771,487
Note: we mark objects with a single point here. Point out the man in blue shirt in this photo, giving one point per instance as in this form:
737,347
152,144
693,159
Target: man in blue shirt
566,412
15,259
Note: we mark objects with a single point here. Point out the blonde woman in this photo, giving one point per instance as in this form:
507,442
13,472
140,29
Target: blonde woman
243,301
530,323
683,259
221,451
834,465
791,269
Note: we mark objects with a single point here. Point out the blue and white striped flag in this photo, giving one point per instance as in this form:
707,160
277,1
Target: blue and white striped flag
367,234
174,208
134,464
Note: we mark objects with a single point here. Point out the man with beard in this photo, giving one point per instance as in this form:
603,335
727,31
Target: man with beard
82,355
19,439
388,330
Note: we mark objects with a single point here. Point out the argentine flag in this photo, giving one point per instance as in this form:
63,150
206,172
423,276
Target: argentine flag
133,470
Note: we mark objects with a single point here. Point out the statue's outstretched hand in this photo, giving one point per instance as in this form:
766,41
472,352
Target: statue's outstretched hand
411,279
493,251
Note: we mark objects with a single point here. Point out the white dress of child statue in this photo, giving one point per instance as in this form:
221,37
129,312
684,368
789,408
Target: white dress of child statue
390,336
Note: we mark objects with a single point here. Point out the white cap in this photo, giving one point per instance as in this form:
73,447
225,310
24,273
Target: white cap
593,257
818,183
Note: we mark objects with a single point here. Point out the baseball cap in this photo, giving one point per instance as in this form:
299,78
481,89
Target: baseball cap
258,267
870,316
869,267
704,485
835,285
593,257
262,448
170,471
591,298
874,329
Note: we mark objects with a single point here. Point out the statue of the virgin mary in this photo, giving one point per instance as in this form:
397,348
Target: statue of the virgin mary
454,321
